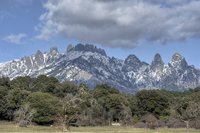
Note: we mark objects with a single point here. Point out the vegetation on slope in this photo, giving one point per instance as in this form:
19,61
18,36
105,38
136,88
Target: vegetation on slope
46,101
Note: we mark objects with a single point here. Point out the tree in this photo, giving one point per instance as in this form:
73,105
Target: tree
23,83
45,84
104,90
3,102
24,115
14,99
187,111
69,112
4,81
126,116
67,88
132,104
152,101
46,105
113,102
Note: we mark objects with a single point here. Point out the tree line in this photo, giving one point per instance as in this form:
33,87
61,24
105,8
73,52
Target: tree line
46,101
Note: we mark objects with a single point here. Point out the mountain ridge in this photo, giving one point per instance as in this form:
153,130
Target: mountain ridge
91,65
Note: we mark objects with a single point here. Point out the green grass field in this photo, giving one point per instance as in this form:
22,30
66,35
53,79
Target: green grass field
11,128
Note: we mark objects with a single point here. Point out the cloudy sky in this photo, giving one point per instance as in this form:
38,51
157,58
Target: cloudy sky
121,27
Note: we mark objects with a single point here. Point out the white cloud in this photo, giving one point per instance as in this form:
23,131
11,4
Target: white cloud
121,23
16,39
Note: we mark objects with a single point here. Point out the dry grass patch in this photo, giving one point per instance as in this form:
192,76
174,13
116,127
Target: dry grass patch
12,128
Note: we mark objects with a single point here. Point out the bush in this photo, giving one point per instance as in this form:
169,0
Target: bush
140,125
197,123
23,123
161,123
150,120
175,123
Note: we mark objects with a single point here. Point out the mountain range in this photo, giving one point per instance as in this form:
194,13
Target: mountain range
85,63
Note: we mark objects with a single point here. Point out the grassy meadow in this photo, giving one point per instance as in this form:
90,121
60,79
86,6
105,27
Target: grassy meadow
12,128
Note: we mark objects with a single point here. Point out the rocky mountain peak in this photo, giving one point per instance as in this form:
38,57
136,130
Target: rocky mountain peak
54,51
69,47
132,60
177,57
132,63
158,59
157,62
178,61
39,58
38,53
86,48
94,67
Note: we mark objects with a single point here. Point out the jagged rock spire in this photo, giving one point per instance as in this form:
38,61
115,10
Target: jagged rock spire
69,47
38,53
132,60
39,58
157,63
54,51
132,63
178,61
177,57
86,48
